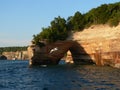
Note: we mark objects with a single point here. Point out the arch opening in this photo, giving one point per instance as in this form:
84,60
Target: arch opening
67,59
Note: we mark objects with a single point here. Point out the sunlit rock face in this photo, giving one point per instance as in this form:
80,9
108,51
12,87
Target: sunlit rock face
31,49
69,58
101,42
52,53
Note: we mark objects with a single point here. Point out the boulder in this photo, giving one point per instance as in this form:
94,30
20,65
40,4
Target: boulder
2,57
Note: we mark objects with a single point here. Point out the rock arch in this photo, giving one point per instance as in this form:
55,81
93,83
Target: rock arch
52,53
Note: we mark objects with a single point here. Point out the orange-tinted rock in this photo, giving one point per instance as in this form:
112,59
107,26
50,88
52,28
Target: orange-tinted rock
101,42
52,53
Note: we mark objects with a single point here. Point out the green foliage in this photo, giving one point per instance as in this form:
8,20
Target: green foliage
77,21
113,22
101,14
104,14
114,19
69,23
57,31
59,27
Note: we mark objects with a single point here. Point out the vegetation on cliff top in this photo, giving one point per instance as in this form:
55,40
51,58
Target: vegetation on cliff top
59,27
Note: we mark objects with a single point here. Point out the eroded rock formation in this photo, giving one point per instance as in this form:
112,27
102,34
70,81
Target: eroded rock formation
52,53
101,42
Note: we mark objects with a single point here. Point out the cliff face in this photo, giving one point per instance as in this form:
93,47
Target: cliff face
101,42
19,55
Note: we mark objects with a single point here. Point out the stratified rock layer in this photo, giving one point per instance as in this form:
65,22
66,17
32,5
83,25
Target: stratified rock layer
101,42
52,53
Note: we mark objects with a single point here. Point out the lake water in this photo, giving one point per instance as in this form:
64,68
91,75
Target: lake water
17,75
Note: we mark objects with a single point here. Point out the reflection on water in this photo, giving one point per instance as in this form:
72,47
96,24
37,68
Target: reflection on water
16,75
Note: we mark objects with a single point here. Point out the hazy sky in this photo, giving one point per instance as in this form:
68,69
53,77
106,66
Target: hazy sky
21,19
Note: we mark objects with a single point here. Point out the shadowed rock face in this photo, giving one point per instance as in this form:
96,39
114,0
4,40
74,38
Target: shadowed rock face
2,57
52,53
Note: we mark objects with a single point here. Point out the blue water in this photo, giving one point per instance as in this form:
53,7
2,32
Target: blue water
17,75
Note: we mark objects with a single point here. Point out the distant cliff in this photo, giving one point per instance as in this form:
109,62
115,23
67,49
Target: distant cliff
18,55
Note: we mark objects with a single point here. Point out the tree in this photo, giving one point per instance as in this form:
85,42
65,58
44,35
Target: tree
58,29
69,23
114,10
78,21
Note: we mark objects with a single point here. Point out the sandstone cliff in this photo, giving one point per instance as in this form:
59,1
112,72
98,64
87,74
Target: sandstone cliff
103,40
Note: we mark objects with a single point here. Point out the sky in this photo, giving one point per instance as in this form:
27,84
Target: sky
21,19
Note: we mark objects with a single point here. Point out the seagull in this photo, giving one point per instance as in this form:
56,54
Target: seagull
54,49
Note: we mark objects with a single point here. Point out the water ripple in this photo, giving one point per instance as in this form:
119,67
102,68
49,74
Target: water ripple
16,75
